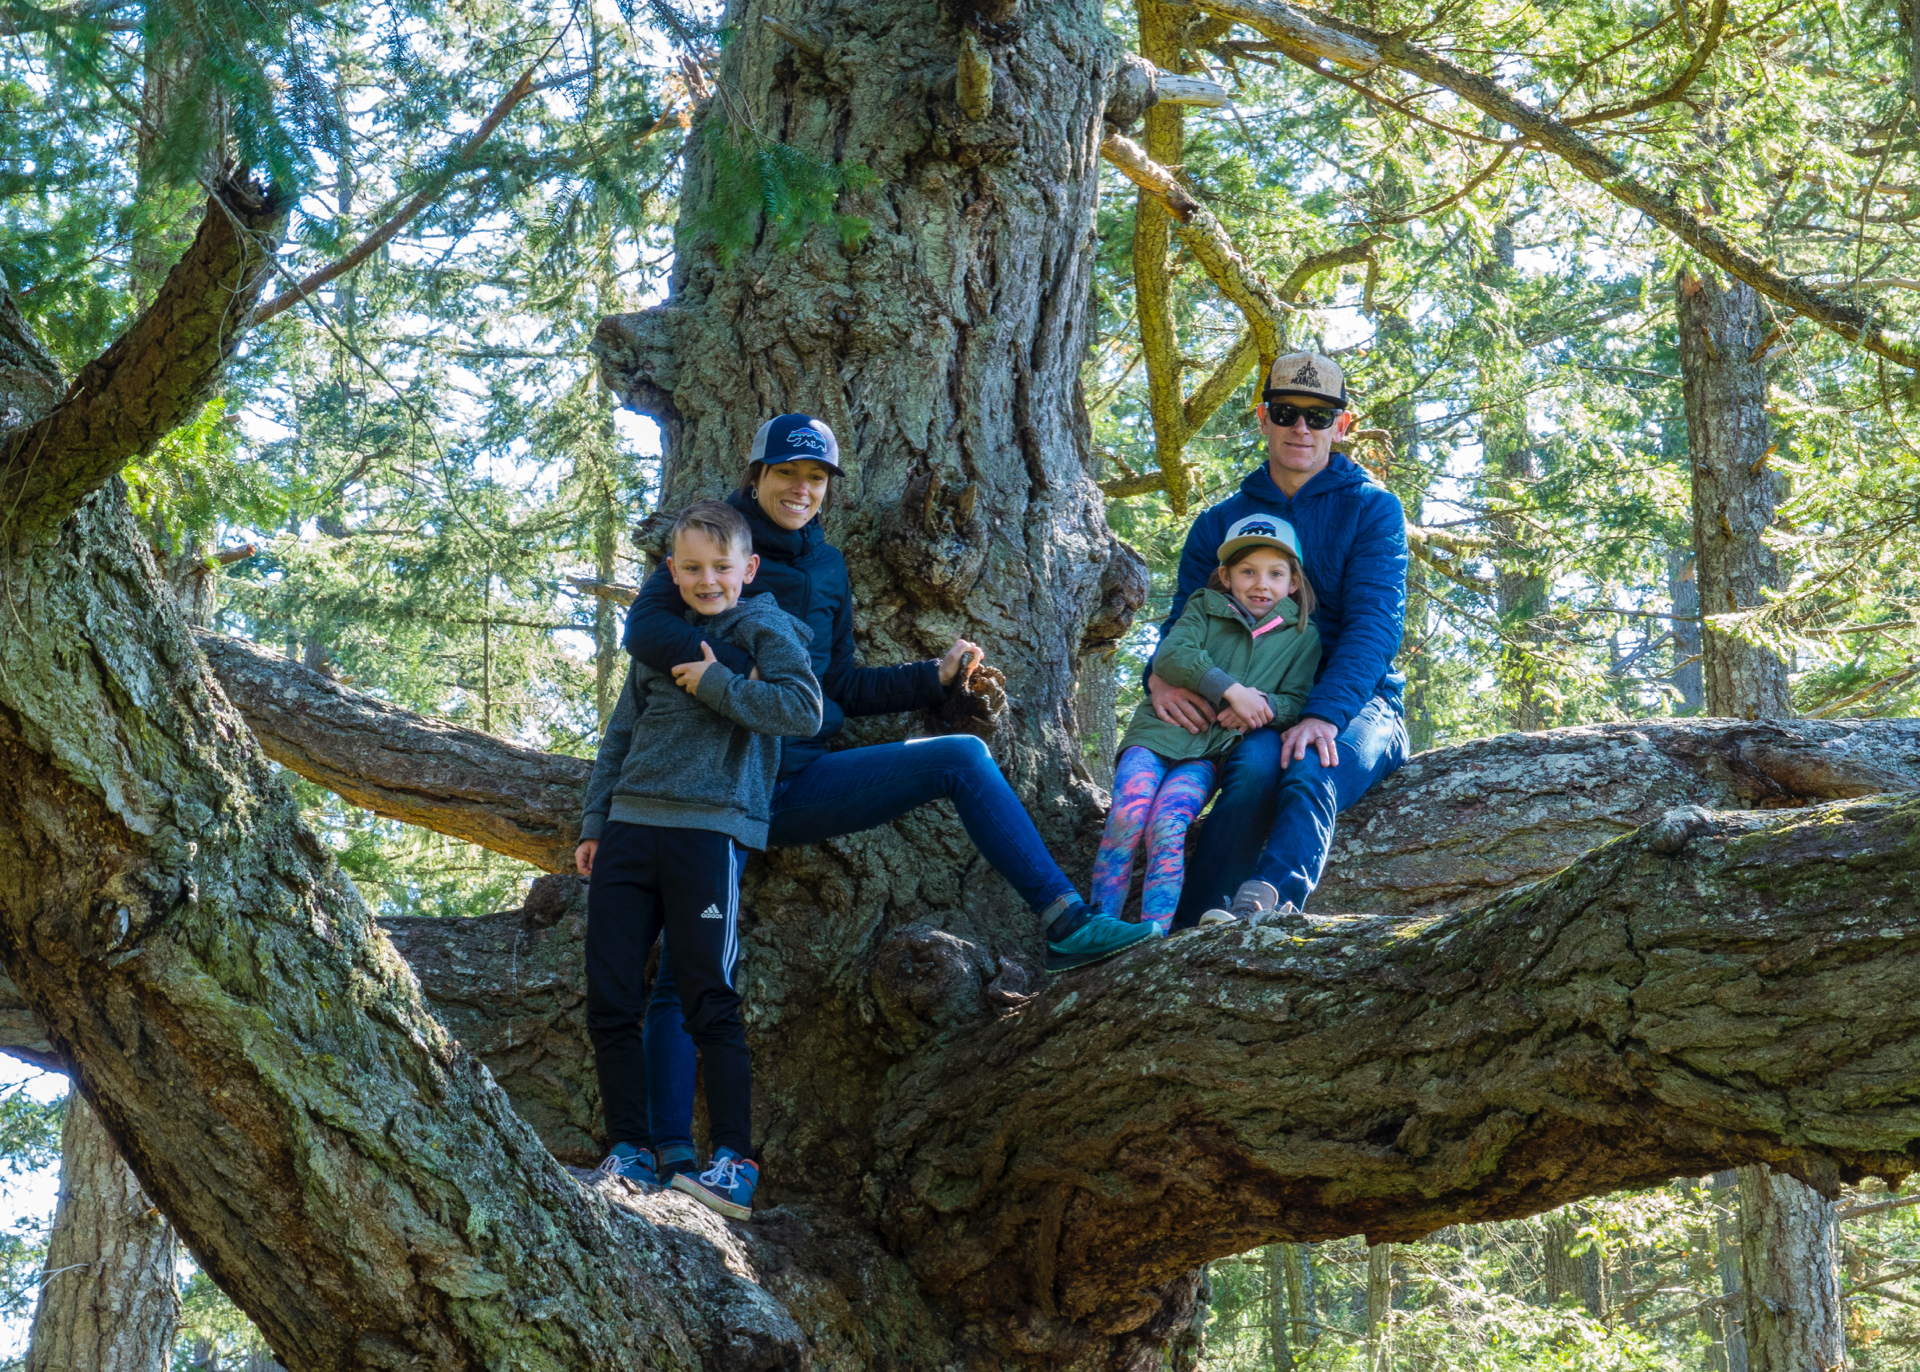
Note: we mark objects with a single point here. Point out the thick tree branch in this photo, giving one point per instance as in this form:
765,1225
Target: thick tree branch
1716,990
1452,827
1366,48
156,375
516,800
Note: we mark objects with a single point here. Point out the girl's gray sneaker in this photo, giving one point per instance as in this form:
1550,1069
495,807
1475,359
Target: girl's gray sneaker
1253,898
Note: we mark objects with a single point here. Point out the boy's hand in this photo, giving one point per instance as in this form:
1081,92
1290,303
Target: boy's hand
583,855
950,664
1250,705
687,675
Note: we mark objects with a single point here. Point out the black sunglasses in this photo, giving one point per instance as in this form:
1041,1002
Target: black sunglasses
1282,416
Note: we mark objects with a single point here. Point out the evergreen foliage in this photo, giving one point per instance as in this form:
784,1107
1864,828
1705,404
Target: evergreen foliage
422,453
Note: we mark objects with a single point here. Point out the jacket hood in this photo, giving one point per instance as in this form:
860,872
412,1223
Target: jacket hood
753,609
769,539
1340,472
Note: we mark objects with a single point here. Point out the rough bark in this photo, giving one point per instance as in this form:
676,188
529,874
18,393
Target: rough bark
224,1002
156,376
1792,1316
1449,1069
515,800
945,352
1733,492
1788,1249
108,1302
1559,1264
958,1170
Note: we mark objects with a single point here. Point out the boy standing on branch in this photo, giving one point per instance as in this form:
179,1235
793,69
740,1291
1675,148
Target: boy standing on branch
1267,838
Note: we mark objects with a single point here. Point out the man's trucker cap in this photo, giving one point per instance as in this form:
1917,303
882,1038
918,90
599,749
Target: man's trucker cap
1309,374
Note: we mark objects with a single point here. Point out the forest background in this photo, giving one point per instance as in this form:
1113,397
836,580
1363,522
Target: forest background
415,482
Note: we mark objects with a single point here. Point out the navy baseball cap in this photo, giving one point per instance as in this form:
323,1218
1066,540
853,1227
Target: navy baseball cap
786,437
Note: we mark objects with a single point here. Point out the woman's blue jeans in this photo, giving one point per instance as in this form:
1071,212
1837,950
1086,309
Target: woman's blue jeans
1278,825
843,793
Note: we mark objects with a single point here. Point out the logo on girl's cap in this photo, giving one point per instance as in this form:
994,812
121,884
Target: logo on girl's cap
1269,530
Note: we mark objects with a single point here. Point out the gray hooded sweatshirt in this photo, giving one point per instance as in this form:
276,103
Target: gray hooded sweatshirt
708,761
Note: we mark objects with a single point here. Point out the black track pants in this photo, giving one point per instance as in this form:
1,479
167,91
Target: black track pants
687,883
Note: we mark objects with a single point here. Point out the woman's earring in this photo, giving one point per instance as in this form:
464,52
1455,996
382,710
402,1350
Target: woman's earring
753,493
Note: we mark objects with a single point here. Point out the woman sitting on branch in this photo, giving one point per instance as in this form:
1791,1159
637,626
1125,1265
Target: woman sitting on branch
819,794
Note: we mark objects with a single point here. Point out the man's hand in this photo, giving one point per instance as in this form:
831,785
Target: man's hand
687,675
1179,706
1250,707
950,664
583,855
1316,734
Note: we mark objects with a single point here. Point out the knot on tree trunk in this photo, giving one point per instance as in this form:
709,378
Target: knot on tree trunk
924,980
636,356
935,542
1124,584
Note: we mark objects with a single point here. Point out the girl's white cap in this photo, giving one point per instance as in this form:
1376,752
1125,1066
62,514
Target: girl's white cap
1260,528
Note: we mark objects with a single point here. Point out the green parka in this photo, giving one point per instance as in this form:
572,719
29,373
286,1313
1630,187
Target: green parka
1211,648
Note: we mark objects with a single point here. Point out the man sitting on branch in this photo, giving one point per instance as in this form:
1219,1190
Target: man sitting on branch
1267,838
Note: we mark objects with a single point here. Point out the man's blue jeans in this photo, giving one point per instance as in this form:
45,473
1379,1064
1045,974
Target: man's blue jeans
1277,825
843,793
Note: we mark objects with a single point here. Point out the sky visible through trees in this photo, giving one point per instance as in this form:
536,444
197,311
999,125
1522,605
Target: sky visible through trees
430,476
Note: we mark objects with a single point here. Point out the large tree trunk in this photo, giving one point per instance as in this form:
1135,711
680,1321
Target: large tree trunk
960,1168
1725,382
108,1301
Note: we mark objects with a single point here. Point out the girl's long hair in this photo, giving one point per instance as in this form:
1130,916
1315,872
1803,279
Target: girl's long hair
1302,591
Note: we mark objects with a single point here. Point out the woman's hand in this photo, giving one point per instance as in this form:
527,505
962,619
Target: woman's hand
950,664
1253,707
583,855
687,675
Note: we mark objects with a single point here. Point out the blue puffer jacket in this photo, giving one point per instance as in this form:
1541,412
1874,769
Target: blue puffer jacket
808,577
1354,538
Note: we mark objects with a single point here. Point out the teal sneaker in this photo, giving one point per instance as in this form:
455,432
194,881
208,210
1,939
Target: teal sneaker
635,1164
673,1159
727,1186
1081,936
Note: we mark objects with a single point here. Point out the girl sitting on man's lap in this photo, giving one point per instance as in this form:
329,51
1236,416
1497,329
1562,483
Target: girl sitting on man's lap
1247,643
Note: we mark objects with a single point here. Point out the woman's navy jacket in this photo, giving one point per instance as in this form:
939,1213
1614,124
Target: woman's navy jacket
808,576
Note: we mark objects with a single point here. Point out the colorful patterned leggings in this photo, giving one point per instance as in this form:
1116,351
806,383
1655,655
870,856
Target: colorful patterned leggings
1158,798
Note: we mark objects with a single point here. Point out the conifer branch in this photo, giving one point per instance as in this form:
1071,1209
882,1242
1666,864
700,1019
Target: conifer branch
1356,45
17,19
407,213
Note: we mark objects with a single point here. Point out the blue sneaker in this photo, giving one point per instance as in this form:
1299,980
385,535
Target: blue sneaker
635,1164
1081,936
727,1186
672,1159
